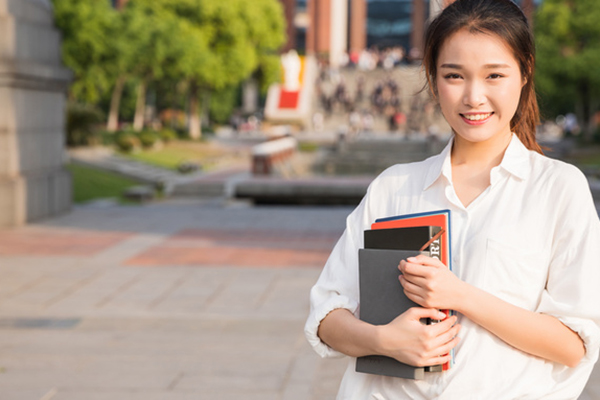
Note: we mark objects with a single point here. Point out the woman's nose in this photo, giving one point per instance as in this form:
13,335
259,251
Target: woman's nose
474,95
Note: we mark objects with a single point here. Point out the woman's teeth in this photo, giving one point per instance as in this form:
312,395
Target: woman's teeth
476,117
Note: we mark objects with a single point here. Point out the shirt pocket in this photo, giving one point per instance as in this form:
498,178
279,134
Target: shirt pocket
516,274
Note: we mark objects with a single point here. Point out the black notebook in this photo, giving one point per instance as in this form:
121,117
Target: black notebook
409,238
381,300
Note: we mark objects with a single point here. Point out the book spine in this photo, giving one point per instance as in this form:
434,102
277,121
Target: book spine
435,251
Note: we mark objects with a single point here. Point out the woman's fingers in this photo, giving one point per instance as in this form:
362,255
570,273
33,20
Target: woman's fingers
412,342
410,284
419,313
446,336
436,360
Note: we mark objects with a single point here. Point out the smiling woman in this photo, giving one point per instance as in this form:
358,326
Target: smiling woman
524,233
474,91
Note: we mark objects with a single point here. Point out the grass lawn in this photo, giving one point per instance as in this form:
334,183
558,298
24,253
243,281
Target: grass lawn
176,152
90,184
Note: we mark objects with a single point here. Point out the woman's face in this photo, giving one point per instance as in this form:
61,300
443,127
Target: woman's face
479,85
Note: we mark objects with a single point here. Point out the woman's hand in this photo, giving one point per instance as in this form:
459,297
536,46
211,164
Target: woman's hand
429,283
409,341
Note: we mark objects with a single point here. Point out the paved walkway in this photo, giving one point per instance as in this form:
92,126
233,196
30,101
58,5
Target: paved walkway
175,300
184,299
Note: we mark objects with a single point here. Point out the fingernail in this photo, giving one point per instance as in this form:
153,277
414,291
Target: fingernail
441,315
411,259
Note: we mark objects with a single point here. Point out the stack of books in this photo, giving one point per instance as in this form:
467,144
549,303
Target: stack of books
382,298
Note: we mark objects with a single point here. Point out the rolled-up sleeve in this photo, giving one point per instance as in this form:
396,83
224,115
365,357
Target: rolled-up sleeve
572,291
338,286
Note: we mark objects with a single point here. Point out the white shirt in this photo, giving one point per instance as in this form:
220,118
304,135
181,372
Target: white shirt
532,238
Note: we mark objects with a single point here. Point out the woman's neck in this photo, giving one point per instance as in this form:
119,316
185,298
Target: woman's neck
487,154
472,163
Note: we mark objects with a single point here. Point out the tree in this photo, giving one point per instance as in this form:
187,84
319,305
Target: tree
88,45
226,41
209,45
152,35
568,52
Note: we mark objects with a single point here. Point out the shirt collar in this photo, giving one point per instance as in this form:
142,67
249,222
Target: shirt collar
440,165
516,162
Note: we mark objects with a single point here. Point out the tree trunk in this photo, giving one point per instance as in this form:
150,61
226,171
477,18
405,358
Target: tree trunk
115,102
140,107
195,128
205,108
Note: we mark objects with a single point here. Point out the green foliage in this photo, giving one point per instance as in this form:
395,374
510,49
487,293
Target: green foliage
568,52
167,135
222,104
152,36
228,40
127,141
82,120
147,138
210,45
269,71
87,29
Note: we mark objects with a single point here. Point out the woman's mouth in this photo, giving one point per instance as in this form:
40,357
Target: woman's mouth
476,118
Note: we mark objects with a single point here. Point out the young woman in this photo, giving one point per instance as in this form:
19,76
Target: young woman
525,238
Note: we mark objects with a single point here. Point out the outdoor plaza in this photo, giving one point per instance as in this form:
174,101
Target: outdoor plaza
187,298
198,286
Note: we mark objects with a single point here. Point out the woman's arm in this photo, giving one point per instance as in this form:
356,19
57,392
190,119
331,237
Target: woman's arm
428,282
405,338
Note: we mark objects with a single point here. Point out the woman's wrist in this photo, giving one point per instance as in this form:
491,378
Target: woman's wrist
381,344
462,295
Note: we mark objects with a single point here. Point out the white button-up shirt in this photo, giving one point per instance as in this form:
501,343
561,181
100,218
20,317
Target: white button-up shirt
532,238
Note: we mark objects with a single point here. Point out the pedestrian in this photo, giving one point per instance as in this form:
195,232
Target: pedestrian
525,235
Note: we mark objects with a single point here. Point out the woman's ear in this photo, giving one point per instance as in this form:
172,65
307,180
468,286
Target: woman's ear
529,72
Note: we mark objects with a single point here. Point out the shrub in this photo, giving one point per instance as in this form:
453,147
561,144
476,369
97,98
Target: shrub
126,141
167,135
187,167
105,138
147,138
82,120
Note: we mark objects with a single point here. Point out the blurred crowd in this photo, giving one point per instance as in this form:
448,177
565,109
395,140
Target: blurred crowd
368,98
386,58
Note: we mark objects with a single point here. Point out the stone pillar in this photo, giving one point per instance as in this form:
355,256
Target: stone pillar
418,18
311,10
33,83
289,9
322,27
318,32
338,44
358,26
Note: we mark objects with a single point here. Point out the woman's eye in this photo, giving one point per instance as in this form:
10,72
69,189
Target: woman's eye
495,76
452,76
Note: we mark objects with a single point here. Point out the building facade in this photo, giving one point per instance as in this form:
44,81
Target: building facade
34,183
329,29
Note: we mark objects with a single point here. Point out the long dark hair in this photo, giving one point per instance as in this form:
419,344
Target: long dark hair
506,20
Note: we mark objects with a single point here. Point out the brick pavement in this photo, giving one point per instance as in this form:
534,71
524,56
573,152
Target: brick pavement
165,301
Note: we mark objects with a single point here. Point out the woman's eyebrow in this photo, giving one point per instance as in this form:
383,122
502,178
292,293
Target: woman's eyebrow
451,66
495,66
487,66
